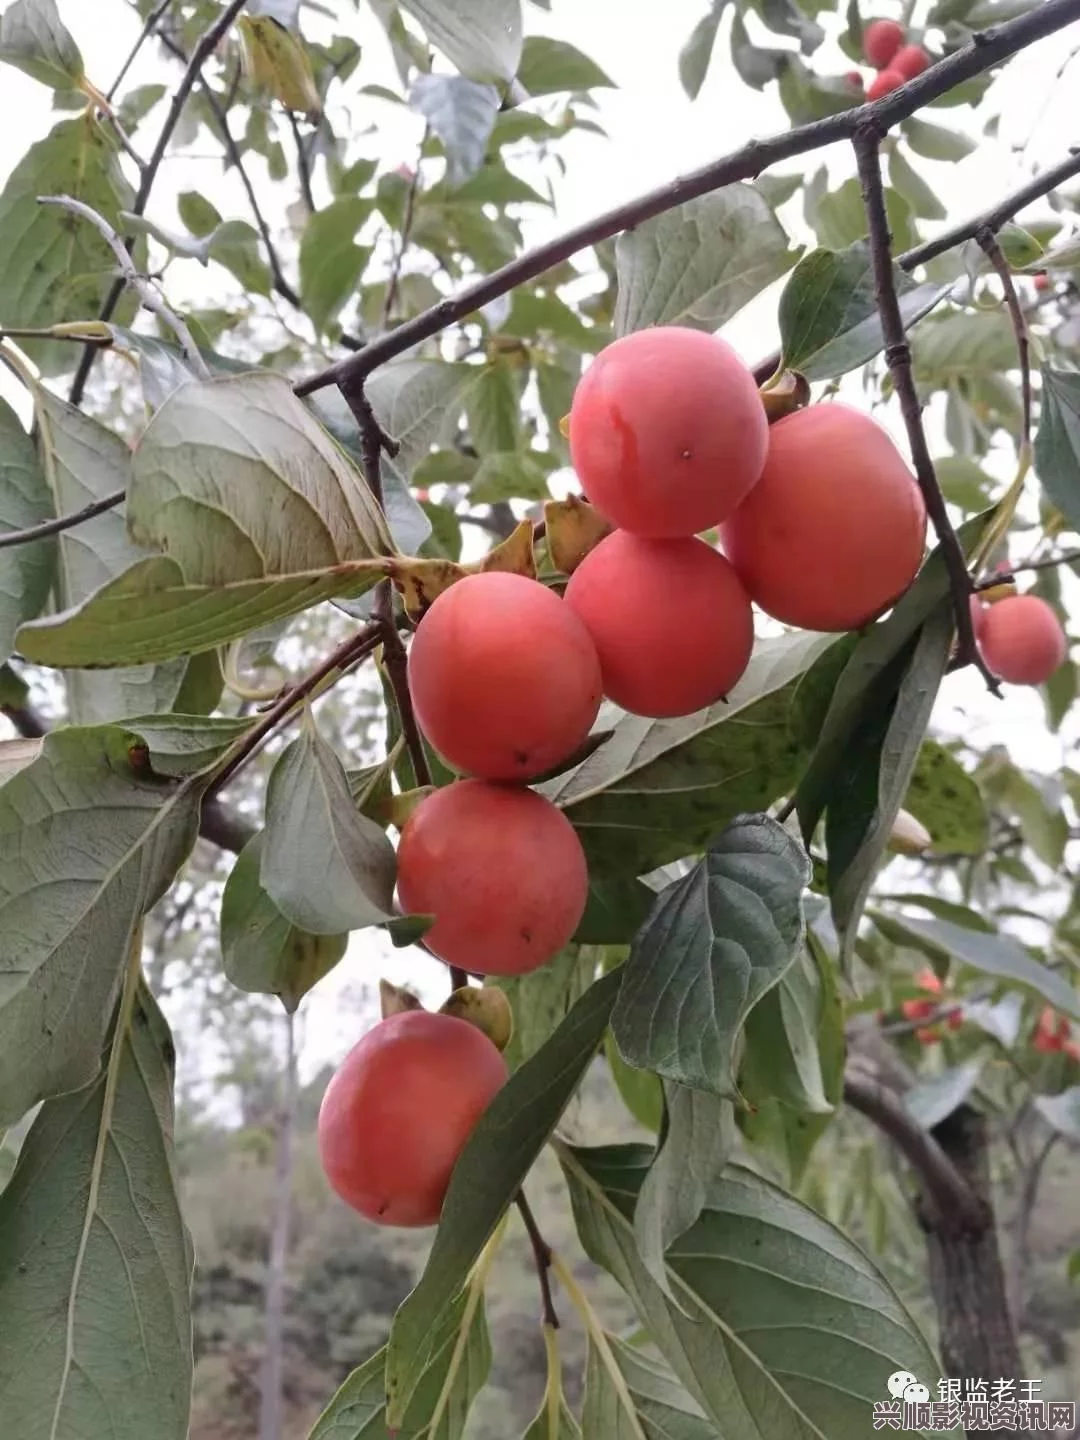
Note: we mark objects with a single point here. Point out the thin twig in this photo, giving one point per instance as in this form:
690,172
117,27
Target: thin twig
542,1255
1070,557
148,293
898,359
208,42
62,522
988,243
125,139
147,30
881,1104
303,165
357,647
403,243
990,47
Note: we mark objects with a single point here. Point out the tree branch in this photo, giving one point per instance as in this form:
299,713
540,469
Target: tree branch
208,42
987,49
147,30
988,243
149,295
542,1255
939,1175
63,522
898,358
303,165
403,243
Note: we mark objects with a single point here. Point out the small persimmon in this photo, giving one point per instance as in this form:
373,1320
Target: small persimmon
1021,640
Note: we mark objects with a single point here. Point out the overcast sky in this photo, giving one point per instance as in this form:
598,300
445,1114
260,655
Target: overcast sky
655,133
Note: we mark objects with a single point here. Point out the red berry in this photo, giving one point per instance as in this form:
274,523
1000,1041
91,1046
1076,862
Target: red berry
909,61
1022,640
396,1115
503,676
881,40
670,619
927,980
883,82
916,1009
855,79
667,431
501,869
1042,282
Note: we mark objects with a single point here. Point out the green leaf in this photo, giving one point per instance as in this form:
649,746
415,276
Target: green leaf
327,868
782,1060
696,54
418,402
150,614
460,1360
958,344
542,999
1057,442
755,1255
828,313
497,1157
1063,1113
910,184
629,1395
1035,803
197,213
755,65
26,571
262,951
696,1144
207,463
462,114
1019,246
532,314
84,462
95,841
935,142
562,1427
933,1100
944,798
658,789
138,103
996,955
550,67
56,267
964,483
331,262
715,942
518,475
480,38
700,263
642,1092
493,407
34,39
878,768
94,1267
839,218
787,17
182,745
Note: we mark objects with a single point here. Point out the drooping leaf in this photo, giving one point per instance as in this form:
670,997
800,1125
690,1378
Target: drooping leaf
57,267
696,55
461,113
26,571
481,38
629,1395
34,39
755,1254
828,314
542,999
715,942
879,766
696,1144
460,1359
1057,442
997,955
94,1267
331,262
95,839
262,951
550,67
934,1099
782,1059
494,1162
700,263
326,867
84,462
150,614
235,480
276,60
1063,1113
658,789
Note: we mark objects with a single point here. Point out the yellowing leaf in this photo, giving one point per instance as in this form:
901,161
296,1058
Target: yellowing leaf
572,528
277,60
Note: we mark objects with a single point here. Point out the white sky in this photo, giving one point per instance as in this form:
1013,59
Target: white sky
655,133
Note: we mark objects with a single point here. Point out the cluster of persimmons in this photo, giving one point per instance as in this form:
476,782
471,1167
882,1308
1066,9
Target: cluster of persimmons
820,524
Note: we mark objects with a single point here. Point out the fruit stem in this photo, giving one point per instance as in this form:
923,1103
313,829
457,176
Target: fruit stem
542,1253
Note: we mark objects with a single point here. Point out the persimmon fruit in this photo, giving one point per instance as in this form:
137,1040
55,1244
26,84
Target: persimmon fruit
1022,640
500,868
883,83
504,678
667,431
833,532
909,61
398,1111
670,619
881,39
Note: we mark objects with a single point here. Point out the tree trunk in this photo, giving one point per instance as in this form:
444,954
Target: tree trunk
978,1339
271,1386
